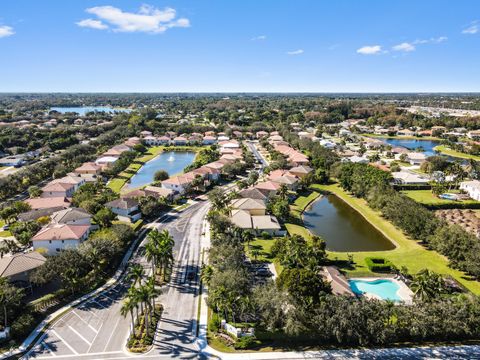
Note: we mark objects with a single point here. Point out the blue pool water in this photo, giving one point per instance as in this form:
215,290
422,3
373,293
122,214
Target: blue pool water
172,162
383,288
82,110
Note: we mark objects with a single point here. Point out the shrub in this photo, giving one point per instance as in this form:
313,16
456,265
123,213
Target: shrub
265,235
377,264
23,325
245,342
214,323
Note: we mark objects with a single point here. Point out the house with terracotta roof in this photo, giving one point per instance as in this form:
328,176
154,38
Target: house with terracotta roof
127,209
46,203
57,237
117,150
180,141
88,168
261,134
269,188
252,193
58,190
209,140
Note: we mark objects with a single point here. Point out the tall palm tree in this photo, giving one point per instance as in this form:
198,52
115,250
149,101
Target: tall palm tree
154,292
144,294
206,273
127,308
151,254
136,273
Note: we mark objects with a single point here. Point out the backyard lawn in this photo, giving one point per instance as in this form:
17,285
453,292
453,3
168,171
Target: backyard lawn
447,151
426,197
407,253
263,246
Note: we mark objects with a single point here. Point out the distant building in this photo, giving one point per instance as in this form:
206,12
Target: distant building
472,188
127,209
56,237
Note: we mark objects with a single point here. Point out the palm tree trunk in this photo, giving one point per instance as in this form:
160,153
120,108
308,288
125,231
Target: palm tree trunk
133,324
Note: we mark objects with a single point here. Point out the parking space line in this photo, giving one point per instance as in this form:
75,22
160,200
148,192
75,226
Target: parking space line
108,297
44,344
113,332
90,326
66,344
80,335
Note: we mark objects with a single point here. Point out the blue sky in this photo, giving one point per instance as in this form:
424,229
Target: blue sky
240,45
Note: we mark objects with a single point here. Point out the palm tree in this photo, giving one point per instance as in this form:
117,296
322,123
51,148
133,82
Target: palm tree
136,274
127,307
151,250
144,294
427,285
206,273
154,292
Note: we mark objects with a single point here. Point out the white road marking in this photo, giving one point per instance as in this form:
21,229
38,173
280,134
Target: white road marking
90,326
81,355
113,332
96,302
80,335
63,340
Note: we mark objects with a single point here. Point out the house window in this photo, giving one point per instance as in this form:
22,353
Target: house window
49,241
63,241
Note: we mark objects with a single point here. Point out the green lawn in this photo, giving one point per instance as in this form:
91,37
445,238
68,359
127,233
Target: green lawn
426,197
447,151
407,252
264,248
5,233
295,225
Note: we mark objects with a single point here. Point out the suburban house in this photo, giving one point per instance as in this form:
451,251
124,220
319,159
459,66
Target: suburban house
36,214
253,206
180,141
261,134
284,177
404,177
117,150
106,161
301,171
154,191
47,203
472,188
180,184
253,193
58,190
259,223
17,267
88,168
269,188
72,216
127,209
416,158
209,140
56,237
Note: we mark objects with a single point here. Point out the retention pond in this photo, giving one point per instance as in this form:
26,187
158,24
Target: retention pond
342,227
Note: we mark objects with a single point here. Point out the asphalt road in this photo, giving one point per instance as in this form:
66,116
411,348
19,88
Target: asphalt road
96,330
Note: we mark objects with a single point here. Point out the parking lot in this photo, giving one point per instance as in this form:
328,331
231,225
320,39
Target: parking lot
94,327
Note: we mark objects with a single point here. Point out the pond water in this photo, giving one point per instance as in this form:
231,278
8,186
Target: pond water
172,162
413,144
342,227
82,110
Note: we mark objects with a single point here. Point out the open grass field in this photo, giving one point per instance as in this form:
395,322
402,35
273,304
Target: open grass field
447,151
408,252
426,197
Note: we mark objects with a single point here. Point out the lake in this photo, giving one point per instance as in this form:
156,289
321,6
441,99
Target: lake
342,227
82,110
412,144
172,162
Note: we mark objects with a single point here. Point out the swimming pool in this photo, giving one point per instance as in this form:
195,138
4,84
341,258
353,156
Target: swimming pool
384,289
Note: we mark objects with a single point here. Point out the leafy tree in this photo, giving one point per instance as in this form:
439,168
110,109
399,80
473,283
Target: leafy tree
161,175
104,217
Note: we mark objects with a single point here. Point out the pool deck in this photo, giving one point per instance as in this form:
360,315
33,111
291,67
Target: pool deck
403,292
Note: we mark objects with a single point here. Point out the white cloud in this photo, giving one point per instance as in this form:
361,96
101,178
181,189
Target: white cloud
405,47
473,28
6,31
370,50
259,38
93,24
295,52
436,40
148,19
